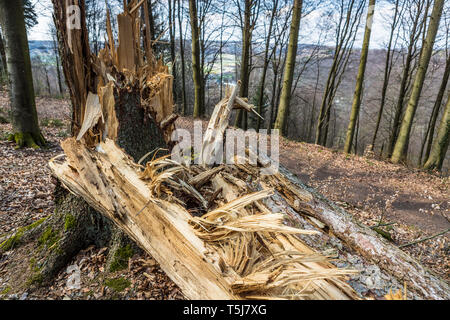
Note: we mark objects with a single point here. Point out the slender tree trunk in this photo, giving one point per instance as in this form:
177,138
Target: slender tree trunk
183,63
406,77
47,79
197,75
26,132
221,59
4,68
425,57
283,108
58,66
440,145
245,60
313,107
434,115
172,45
274,89
360,79
387,74
266,64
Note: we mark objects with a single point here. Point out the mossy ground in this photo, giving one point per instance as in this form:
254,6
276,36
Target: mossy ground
52,123
14,240
121,257
118,284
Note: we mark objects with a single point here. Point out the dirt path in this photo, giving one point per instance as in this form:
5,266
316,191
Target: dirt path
411,197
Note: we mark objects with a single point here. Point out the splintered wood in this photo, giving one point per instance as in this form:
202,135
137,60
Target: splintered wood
236,249
210,230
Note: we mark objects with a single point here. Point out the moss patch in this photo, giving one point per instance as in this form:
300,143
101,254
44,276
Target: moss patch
35,279
48,238
14,241
118,284
27,139
55,123
5,291
120,258
69,222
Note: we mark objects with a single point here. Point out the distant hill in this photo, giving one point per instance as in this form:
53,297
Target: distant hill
42,48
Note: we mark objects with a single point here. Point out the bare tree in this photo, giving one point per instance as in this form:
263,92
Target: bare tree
349,18
354,115
427,49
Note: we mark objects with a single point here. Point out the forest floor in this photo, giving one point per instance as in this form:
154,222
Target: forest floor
370,189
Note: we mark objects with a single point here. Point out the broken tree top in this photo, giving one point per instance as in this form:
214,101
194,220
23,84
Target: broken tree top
223,232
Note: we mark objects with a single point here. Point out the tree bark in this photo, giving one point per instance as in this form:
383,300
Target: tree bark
266,64
25,126
197,75
360,79
406,77
349,21
440,145
172,29
425,57
4,68
434,115
183,64
241,120
283,108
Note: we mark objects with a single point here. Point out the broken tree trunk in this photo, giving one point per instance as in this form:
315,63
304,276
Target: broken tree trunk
225,233
94,83
240,249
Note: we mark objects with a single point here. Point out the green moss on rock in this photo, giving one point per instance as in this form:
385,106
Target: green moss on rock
34,279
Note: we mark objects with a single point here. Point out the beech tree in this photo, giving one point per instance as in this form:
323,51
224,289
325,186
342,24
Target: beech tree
425,57
418,13
440,144
25,126
350,12
360,79
398,11
247,18
266,61
283,108
198,82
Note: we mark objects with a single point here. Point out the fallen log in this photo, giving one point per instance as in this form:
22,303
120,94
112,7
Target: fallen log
364,240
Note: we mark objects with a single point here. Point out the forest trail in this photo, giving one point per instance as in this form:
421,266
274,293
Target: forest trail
417,202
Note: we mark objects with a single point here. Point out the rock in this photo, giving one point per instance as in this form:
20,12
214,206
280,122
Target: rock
24,296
